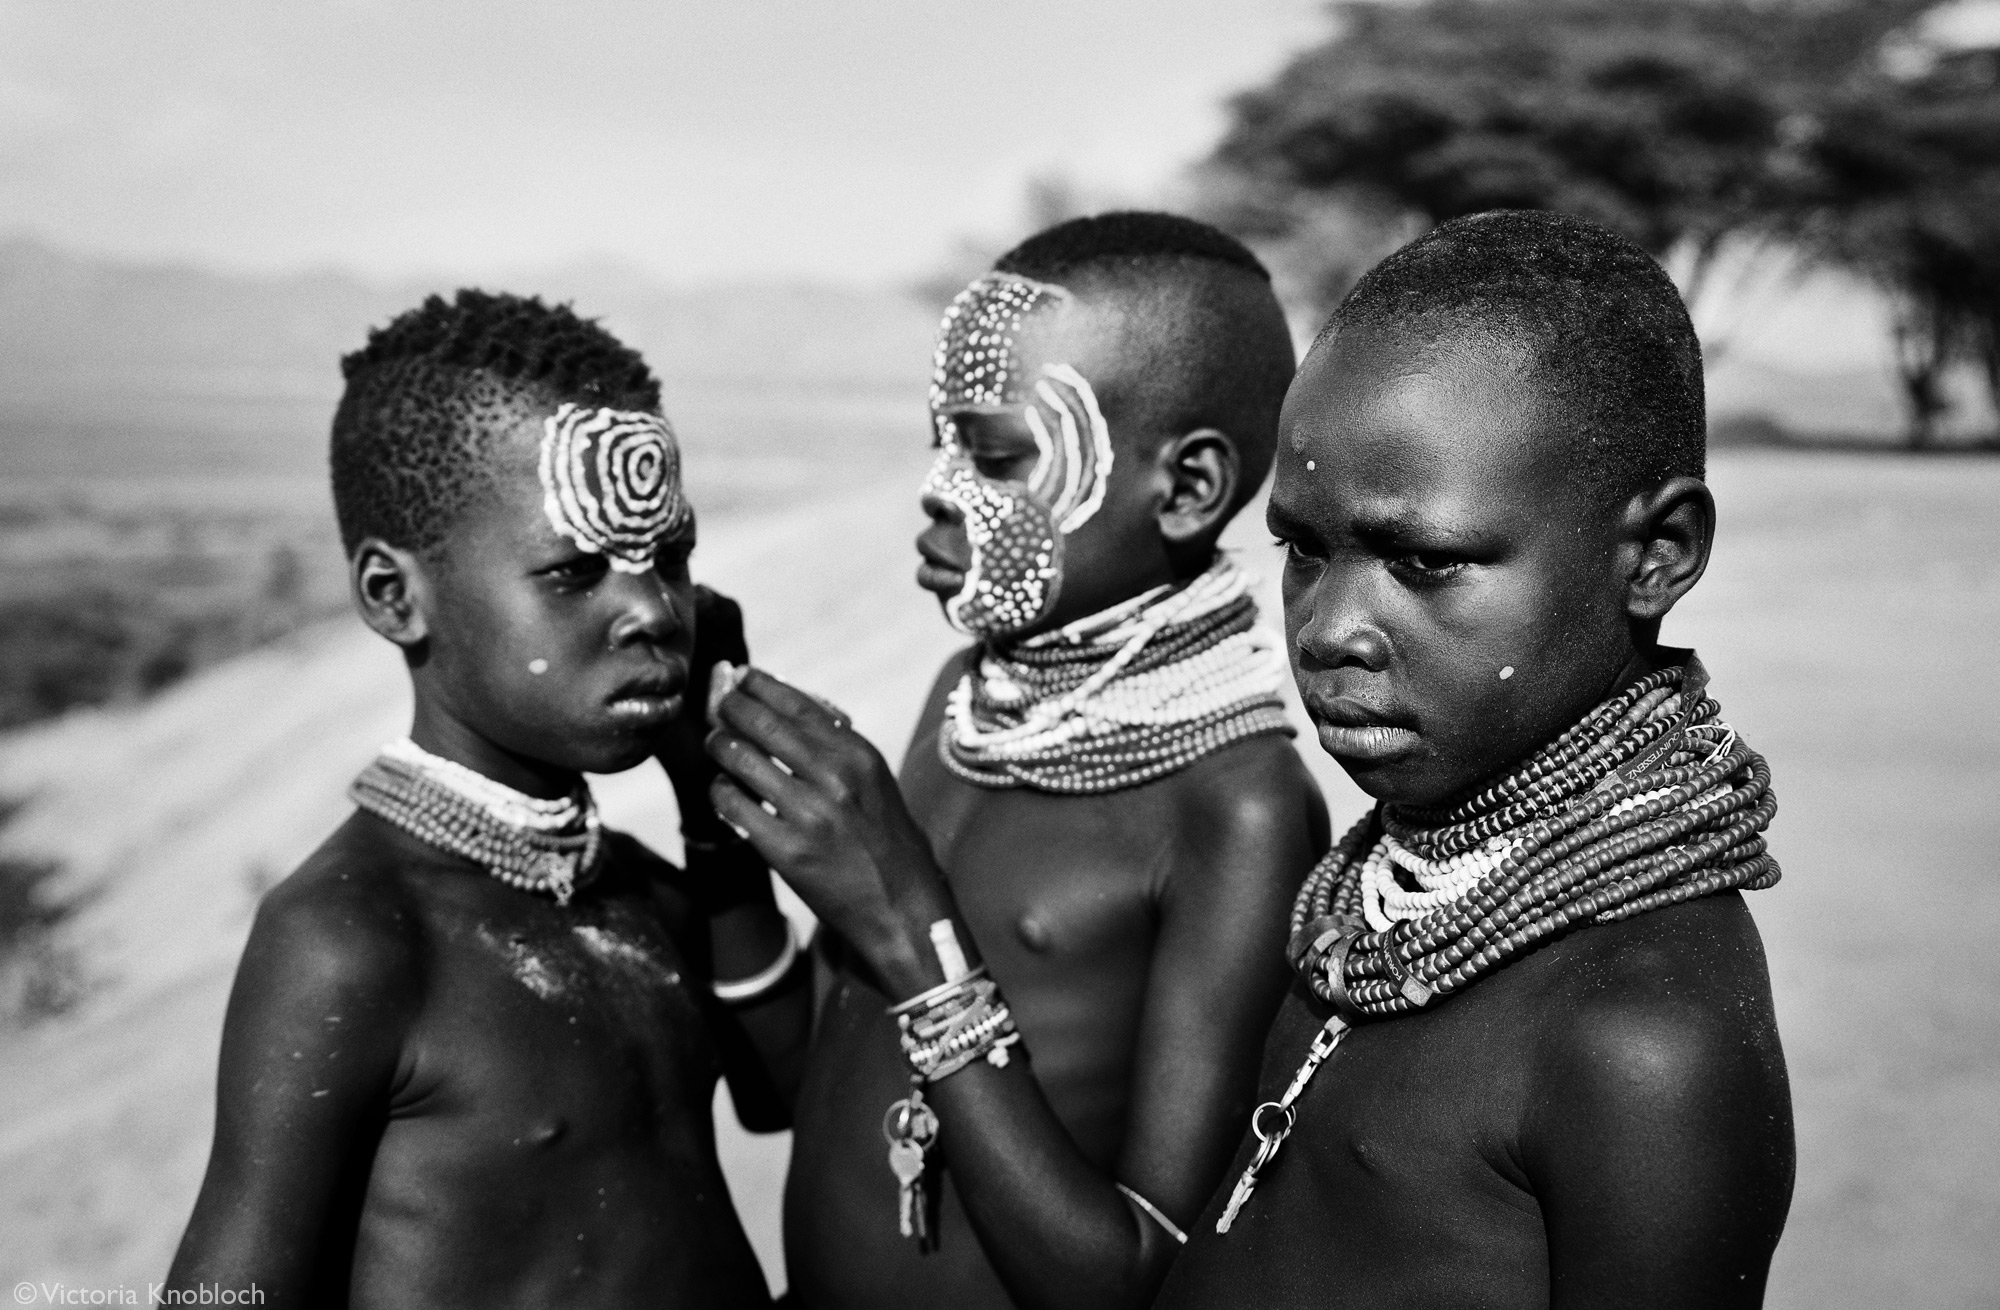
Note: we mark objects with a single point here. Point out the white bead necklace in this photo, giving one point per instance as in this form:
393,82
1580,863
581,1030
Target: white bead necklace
527,842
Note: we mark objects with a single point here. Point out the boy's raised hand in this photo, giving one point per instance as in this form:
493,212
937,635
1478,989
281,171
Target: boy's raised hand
718,639
840,834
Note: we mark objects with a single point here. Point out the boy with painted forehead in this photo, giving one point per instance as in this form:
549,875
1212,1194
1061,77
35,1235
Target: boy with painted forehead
473,1042
1529,1056
1055,948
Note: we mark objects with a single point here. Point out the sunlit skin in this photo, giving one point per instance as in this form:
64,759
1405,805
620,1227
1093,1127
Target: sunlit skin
1605,1121
1137,935
440,1090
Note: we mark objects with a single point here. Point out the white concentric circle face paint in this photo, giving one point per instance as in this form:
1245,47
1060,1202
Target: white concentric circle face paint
611,482
1015,528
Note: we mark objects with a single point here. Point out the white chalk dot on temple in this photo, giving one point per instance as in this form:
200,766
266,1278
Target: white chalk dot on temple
1506,673
1311,464
542,666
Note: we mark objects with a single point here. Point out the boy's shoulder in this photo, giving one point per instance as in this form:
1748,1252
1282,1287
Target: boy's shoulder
1665,1017
1257,780
352,909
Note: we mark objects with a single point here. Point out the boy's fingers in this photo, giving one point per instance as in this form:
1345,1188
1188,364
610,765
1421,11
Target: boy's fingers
805,745
738,807
800,706
756,771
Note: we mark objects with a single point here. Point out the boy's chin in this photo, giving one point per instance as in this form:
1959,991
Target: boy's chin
1410,783
612,752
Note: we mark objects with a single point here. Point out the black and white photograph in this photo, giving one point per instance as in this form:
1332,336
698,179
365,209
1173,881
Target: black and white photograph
900,654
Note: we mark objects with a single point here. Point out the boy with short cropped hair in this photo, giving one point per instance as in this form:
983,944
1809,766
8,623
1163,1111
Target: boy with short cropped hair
1529,1057
1079,916
472,1045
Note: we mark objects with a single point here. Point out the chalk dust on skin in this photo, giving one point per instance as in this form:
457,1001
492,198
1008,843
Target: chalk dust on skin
629,957
533,972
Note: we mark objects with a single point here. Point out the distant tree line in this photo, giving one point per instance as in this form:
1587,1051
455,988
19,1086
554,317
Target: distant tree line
1824,127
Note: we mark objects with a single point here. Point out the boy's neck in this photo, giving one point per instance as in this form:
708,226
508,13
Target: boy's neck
440,733
1179,574
1646,659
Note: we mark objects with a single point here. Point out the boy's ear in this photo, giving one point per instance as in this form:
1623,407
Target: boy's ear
388,584
1668,532
1201,470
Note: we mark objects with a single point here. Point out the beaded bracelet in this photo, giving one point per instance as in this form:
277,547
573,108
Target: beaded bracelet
953,1024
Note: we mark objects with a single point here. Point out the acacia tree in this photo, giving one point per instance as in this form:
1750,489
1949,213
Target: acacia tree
1681,123
1898,179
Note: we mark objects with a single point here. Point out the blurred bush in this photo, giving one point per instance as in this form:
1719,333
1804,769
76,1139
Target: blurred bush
37,977
98,608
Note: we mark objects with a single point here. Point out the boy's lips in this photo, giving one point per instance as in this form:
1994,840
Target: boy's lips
649,701
1349,730
939,572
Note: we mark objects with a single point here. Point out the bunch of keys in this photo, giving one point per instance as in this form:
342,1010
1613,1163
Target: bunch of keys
911,1128
1269,1139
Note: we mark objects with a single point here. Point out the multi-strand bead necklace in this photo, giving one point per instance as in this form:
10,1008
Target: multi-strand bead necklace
1649,801
1124,696
526,842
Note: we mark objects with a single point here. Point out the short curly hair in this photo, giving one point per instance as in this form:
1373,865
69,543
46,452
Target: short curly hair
430,390
1609,335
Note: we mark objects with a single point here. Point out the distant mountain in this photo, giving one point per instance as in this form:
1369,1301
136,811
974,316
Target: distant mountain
109,366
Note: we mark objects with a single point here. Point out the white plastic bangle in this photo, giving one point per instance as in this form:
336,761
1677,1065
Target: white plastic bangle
1173,1229
738,990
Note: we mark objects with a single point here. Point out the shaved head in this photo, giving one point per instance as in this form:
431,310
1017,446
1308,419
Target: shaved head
1201,340
1611,352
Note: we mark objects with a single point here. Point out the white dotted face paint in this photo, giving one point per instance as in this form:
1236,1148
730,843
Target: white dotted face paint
1506,673
1311,465
1015,528
538,666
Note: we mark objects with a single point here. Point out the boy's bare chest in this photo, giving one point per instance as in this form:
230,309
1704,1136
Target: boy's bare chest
585,1016
1049,879
1046,878
1399,1173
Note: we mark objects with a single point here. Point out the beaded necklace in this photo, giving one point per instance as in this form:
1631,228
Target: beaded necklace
526,842
1648,801
1127,695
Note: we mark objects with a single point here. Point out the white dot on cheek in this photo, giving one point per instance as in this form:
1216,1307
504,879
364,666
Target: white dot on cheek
1311,464
542,666
1506,673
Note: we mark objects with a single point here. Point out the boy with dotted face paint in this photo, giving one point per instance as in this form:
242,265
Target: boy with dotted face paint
1073,898
473,1042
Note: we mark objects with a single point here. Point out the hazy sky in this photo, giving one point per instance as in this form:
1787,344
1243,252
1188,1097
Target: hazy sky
838,139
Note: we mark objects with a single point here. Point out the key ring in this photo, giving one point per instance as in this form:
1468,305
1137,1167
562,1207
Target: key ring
1257,1121
908,1121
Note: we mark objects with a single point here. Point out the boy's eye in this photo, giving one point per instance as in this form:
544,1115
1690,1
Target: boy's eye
578,569
1427,565
1297,553
1001,468
672,557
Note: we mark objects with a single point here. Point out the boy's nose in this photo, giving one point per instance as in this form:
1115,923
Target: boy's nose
942,510
1340,628
647,611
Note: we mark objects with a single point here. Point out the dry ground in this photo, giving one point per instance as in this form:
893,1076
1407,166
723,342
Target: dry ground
1847,620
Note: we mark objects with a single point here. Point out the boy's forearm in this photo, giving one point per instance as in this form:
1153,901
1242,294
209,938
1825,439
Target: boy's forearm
1058,1231
749,938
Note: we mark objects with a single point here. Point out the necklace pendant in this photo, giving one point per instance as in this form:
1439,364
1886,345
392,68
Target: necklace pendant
559,876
